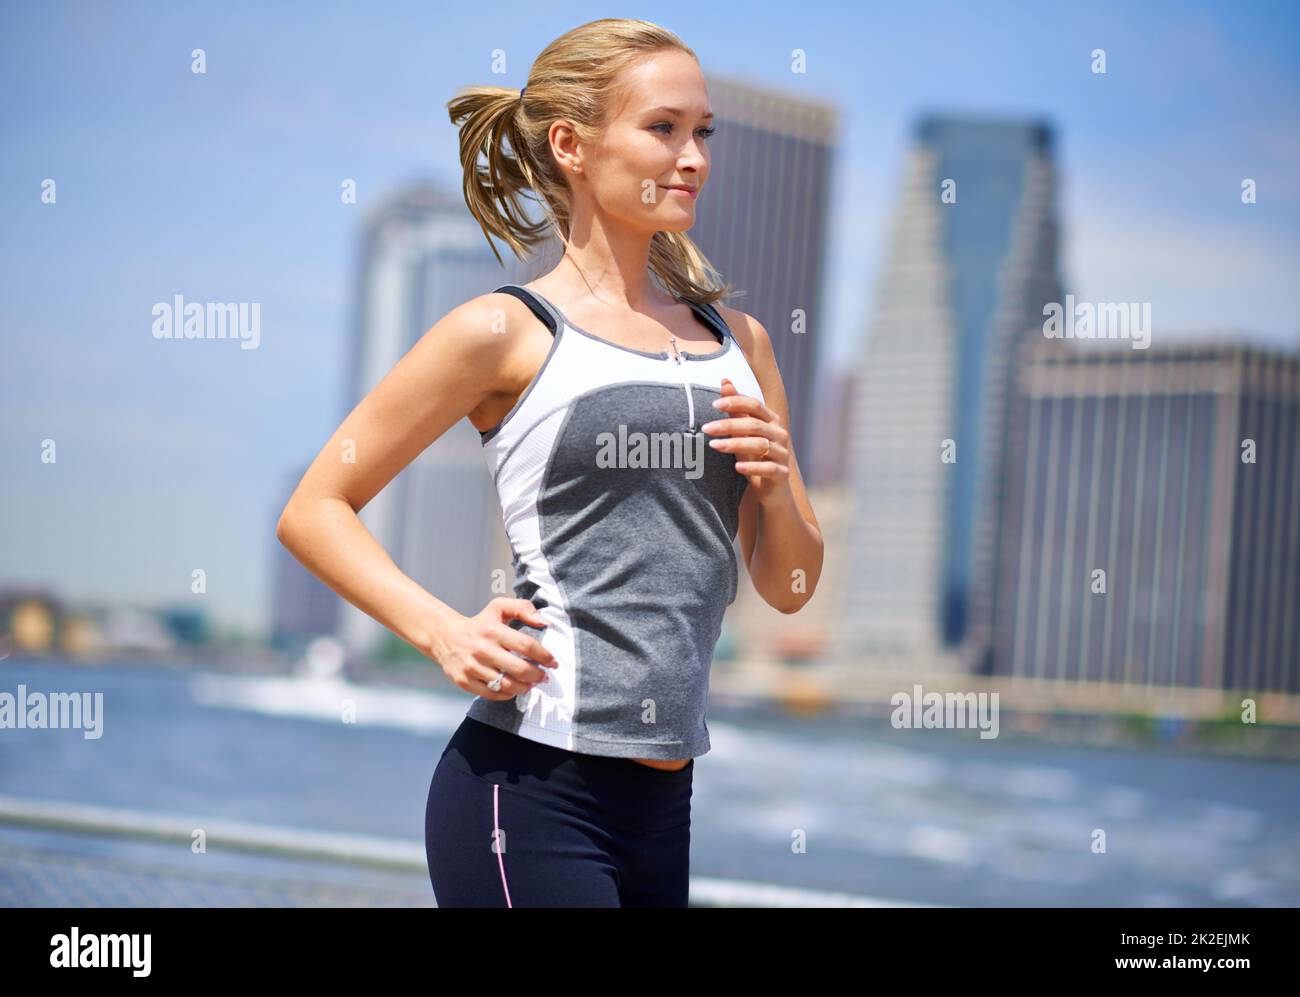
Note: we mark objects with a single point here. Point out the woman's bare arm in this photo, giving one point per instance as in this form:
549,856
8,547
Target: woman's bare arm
781,542
456,365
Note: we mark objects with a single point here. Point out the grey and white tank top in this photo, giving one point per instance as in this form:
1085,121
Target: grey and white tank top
621,520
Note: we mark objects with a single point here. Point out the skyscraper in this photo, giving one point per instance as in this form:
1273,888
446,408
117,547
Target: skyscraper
972,260
762,222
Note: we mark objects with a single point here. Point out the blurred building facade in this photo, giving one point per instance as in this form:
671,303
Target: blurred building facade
1151,531
972,259
763,222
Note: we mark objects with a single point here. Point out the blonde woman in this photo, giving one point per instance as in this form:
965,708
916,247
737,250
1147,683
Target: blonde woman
632,429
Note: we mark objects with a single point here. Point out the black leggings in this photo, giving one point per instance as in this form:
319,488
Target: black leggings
512,822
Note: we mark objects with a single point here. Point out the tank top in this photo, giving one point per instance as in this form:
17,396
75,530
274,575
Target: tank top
621,520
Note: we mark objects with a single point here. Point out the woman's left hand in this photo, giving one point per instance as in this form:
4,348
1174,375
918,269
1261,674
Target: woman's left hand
747,429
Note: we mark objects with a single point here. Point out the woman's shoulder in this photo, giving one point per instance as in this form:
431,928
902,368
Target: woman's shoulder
753,339
475,335
489,315
749,331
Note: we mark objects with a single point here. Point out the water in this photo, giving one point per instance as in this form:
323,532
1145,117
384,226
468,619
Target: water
912,815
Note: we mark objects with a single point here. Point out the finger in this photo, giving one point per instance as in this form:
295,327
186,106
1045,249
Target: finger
746,446
741,429
757,448
739,404
514,663
520,675
742,423
735,427
478,676
521,643
521,609
761,468
751,451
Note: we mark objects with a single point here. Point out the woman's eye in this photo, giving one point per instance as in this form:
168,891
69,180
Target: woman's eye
706,132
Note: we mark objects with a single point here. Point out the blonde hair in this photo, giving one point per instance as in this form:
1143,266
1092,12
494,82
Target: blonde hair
575,78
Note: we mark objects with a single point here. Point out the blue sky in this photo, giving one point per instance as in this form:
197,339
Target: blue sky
225,187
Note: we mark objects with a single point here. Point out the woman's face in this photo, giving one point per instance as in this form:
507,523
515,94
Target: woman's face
655,140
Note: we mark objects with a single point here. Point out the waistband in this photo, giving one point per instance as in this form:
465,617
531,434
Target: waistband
619,791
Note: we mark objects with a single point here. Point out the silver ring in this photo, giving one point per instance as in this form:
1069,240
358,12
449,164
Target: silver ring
495,684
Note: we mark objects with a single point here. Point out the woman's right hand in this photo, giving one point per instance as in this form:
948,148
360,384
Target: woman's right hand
473,649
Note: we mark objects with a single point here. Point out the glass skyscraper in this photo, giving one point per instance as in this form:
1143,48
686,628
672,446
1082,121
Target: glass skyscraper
972,260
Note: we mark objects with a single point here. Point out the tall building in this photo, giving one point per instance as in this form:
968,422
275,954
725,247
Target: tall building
824,464
423,254
1151,534
971,261
763,221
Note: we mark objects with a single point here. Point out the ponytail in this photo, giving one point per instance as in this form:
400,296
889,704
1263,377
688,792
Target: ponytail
506,158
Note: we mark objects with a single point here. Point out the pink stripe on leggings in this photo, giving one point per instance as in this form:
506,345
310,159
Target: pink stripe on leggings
496,827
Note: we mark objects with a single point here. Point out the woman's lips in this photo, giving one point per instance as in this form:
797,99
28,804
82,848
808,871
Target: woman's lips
689,192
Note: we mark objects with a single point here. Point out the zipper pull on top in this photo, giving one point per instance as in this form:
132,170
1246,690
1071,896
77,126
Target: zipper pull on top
686,385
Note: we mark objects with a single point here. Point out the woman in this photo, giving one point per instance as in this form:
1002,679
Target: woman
569,781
